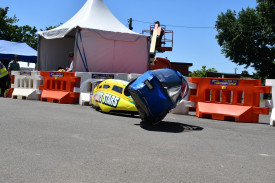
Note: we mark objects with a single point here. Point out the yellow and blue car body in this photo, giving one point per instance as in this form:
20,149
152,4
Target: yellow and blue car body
109,96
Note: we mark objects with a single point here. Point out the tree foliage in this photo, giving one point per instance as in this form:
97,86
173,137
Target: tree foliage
248,38
11,32
50,27
202,72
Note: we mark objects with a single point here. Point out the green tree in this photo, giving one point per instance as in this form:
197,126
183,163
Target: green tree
248,38
6,24
202,72
11,32
51,27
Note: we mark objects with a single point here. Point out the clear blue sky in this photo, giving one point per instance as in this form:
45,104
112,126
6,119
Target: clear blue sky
197,46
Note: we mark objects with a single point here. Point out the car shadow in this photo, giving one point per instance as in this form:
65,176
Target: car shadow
169,127
163,126
122,114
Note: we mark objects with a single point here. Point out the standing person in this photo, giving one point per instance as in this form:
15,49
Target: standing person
14,65
71,55
160,35
4,75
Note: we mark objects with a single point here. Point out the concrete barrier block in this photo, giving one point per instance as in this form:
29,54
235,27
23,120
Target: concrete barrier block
26,85
271,103
88,79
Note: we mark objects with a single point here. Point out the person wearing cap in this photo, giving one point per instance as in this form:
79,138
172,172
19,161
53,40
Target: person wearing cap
4,75
71,55
14,65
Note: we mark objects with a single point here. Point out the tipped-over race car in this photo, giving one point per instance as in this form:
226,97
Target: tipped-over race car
157,92
108,96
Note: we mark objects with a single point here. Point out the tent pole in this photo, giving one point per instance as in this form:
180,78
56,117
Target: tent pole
83,57
37,65
75,48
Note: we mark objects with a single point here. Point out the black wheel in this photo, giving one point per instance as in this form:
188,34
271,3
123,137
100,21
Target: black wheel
95,107
133,114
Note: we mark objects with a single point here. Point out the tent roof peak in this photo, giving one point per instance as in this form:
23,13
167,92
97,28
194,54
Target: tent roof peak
94,15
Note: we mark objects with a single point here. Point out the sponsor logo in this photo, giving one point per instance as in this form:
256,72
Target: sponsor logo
229,82
57,74
107,99
26,73
110,100
103,76
98,96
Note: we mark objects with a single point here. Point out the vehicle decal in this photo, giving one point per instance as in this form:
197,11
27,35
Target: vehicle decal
110,100
98,96
131,101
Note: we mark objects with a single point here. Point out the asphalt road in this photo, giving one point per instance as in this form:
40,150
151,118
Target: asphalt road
44,142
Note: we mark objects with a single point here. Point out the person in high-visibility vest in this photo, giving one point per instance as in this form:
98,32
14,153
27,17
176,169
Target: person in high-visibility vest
4,75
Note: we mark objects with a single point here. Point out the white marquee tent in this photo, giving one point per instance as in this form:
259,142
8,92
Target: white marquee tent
100,42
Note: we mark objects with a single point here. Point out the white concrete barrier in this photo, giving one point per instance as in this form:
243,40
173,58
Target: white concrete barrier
183,106
271,103
26,85
89,79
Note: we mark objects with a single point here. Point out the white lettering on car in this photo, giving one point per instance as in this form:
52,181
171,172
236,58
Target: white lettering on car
110,100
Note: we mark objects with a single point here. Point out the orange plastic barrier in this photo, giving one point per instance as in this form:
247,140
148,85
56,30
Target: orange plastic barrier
192,93
12,79
229,99
58,87
10,91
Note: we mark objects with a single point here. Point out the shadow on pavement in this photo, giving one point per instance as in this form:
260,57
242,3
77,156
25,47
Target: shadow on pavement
123,114
170,127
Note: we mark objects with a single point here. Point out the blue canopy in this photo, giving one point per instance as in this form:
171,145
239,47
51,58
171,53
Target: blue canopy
25,53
